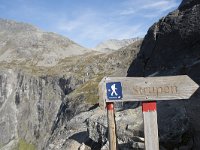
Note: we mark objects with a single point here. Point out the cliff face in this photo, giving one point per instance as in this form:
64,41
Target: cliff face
172,47
45,104
28,108
171,42
50,104
74,130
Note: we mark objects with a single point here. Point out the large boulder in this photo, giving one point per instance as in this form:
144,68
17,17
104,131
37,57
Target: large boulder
129,128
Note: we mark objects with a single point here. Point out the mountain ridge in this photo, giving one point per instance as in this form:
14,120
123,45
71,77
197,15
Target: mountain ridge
24,43
40,101
114,44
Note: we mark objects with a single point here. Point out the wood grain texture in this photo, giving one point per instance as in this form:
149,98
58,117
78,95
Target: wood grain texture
112,129
151,88
151,130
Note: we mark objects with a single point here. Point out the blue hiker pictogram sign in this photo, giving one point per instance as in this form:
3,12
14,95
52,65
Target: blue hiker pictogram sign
145,89
114,90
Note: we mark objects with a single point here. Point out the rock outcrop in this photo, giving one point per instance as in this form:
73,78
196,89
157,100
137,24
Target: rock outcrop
129,128
89,125
45,103
28,108
172,47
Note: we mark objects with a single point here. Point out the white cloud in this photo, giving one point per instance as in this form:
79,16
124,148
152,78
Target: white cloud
129,11
97,27
161,5
69,25
156,5
143,6
126,19
150,15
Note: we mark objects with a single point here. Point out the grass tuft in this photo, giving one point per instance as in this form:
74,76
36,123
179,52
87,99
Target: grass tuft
23,145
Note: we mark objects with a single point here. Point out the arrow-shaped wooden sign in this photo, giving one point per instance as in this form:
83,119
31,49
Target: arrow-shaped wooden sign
117,89
148,90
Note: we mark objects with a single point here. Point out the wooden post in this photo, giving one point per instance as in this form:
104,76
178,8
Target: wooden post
121,89
111,126
150,125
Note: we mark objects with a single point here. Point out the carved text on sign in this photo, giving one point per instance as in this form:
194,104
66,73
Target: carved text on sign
155,90
146,89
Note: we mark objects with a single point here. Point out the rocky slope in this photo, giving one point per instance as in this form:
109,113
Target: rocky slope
77,129
172,47
53,108
113,44
25,44
44,102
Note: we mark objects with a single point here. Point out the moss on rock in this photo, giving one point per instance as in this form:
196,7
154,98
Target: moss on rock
23,145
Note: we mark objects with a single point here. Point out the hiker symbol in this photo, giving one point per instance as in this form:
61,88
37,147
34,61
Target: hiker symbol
114,90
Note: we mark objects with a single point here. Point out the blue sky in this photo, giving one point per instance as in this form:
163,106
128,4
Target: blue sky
89,22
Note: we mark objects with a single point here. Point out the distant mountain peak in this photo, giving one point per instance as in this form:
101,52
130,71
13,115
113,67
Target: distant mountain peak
114,44
24,43
13,26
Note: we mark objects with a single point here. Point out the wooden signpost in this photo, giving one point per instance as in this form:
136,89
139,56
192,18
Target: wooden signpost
149,90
